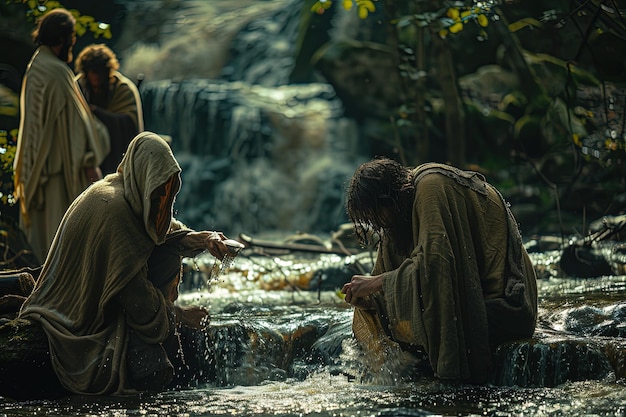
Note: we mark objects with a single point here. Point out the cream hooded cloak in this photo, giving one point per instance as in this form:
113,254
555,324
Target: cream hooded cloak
93,288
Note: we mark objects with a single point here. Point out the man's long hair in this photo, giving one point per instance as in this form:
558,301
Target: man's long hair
98,58
56,28
379,199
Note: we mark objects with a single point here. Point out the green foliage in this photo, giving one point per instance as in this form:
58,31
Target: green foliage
445,21
456,18
84,23
8,141
363,7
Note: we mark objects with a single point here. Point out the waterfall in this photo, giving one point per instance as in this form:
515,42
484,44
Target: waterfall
259,154
256,158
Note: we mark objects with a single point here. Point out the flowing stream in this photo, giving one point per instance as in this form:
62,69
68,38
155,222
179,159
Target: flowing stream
281,345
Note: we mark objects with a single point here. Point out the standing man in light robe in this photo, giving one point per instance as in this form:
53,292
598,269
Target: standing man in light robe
60,143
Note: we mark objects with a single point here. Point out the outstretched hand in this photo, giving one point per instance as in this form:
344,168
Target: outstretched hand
195,242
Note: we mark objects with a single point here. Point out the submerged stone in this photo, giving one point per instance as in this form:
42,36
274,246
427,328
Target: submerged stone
537,363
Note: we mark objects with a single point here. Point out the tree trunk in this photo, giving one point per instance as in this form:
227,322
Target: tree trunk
454,115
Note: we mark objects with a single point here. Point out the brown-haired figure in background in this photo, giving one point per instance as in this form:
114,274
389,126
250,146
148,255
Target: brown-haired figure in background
60,144
113,98
452,278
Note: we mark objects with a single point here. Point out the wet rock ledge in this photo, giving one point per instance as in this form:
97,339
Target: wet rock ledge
237,352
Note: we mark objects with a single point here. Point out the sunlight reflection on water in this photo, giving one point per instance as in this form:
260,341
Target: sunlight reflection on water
325,395
328,393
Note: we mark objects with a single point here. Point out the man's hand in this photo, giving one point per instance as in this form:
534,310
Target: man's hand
361,286
195,242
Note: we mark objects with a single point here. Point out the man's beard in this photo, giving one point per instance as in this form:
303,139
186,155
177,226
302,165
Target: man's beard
65,54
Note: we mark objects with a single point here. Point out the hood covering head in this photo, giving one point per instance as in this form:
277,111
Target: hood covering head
147,165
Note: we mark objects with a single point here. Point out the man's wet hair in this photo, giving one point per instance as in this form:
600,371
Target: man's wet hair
379,199
54,28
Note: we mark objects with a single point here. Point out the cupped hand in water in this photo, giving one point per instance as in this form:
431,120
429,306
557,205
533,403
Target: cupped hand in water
361,286
195,242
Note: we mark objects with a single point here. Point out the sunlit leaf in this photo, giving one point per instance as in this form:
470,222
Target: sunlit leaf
482,20
368,4
365,7
522,23
320,6
457,27
80,30
453,13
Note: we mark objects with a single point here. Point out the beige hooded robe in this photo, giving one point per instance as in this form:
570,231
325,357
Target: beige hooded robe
93,288
58,138
467,284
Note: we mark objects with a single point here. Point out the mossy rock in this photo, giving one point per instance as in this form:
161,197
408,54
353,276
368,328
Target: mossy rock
25,368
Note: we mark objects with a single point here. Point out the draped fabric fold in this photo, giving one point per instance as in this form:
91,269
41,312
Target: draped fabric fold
58,138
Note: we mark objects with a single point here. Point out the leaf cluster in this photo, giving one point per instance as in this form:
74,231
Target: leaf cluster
363,7
8,148
8,139
84,23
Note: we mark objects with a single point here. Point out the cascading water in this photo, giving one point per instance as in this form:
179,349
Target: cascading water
258,153
255,158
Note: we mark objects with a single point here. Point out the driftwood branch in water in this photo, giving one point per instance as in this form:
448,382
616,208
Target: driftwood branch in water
297,247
